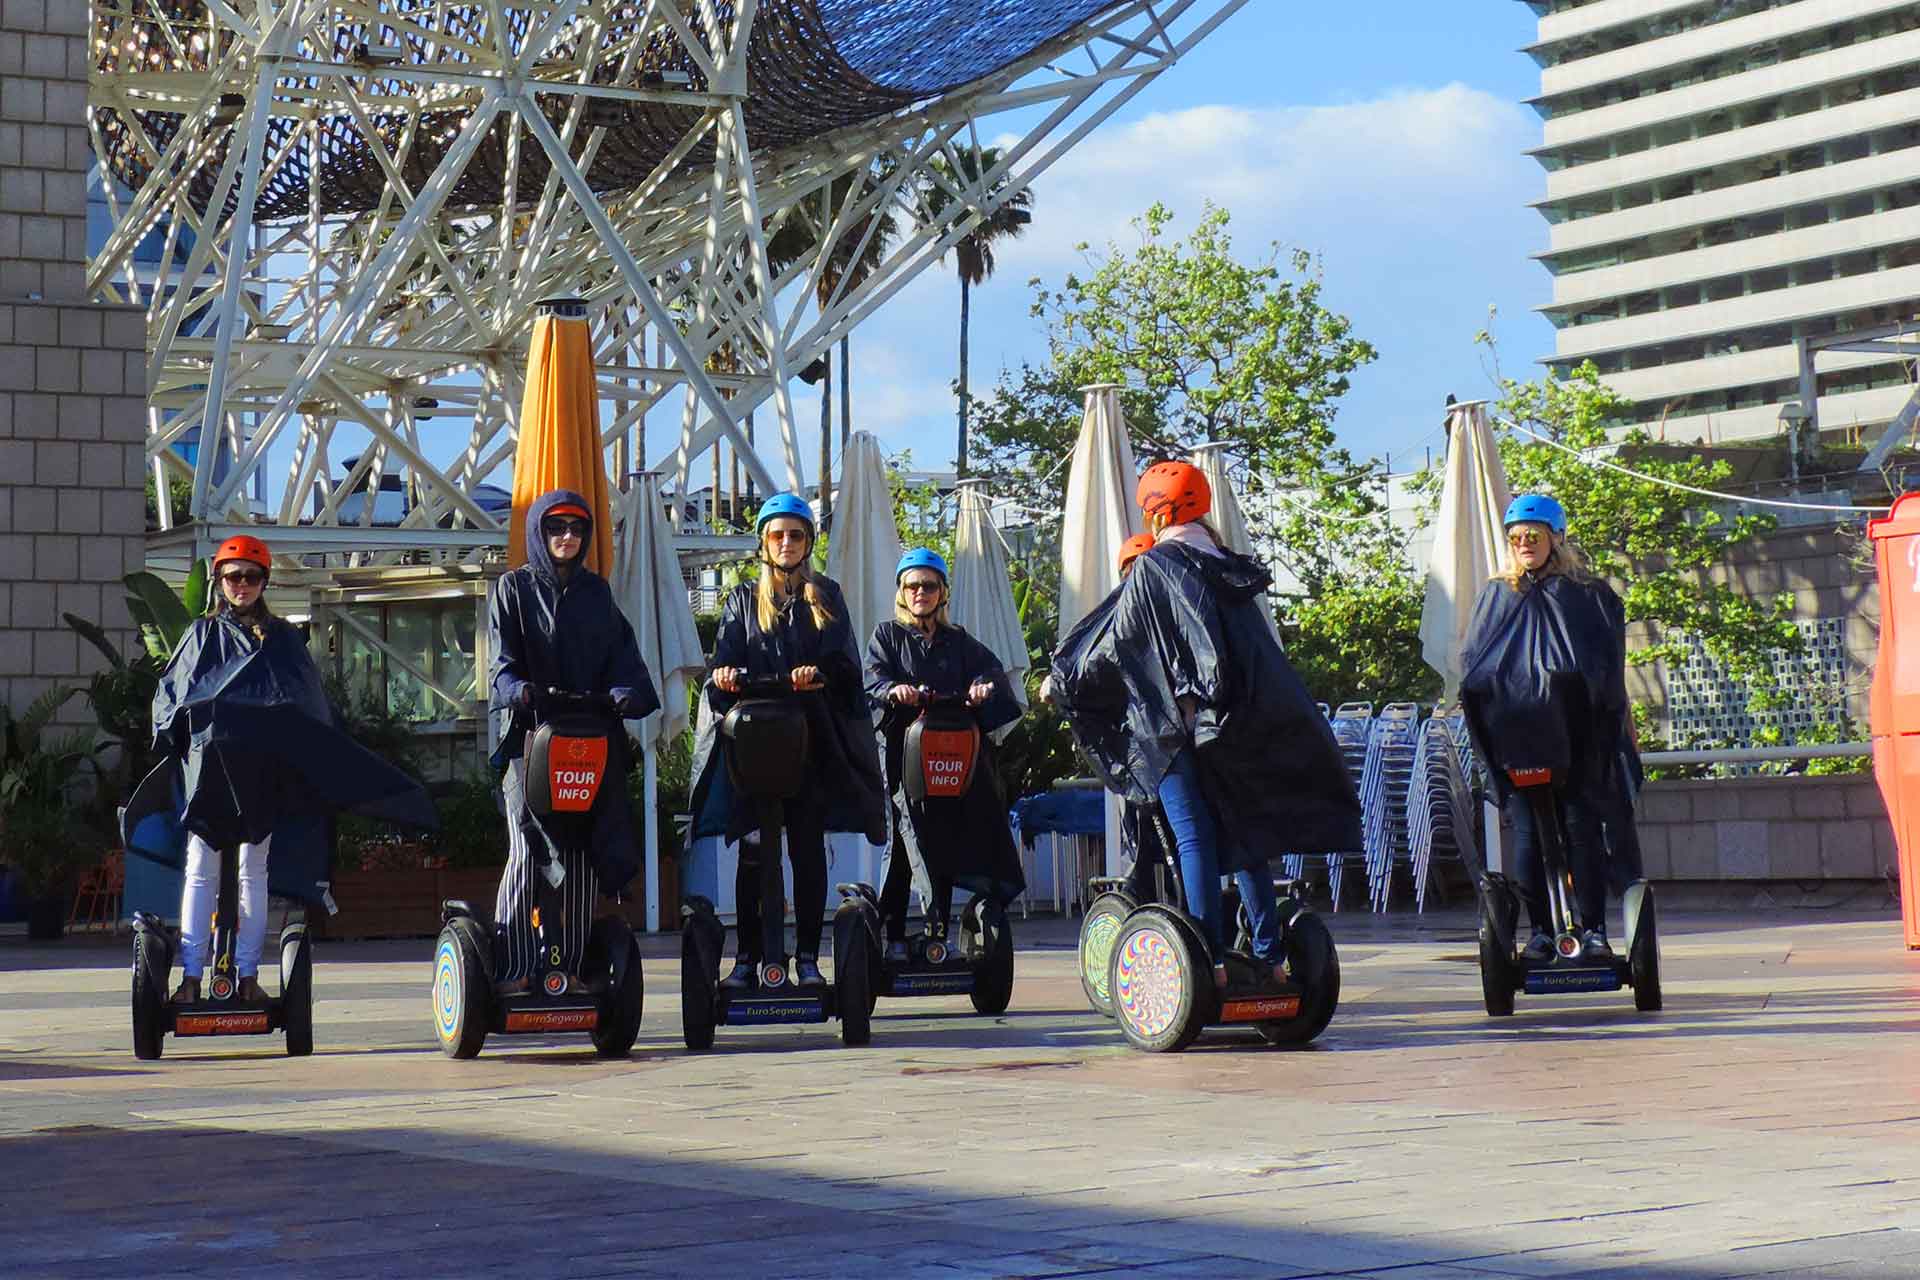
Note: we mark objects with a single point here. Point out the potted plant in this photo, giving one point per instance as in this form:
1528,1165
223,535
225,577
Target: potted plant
43,837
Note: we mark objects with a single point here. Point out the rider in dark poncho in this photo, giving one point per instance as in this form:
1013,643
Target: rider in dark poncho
1180,694
554,624
946,842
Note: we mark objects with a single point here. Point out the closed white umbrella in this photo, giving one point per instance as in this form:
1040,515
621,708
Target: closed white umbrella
982,599
1468,542
1100,512
653,596
1226,516
1100,515
864,546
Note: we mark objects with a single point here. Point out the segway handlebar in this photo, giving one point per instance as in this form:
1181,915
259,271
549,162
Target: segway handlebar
551,699
767,687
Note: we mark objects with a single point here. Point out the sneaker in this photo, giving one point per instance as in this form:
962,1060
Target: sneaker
188,992
897,952
741,975
806,971
1593,945
250,992
1539,948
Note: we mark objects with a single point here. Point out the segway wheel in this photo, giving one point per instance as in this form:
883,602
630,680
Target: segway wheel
613,955
151,965
462,988
1496,973
1644,960
296,989
1313,962
1161,979
1098,932
993,981
853,987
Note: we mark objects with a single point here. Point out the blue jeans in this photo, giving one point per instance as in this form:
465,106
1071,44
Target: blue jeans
1196,838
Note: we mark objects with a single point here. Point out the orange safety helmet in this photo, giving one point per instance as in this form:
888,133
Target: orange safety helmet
244,547
1133,548
1179,489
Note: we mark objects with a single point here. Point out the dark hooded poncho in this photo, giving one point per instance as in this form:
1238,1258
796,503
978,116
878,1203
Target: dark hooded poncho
844,763
1184,628
1545,671
251,750
967,842
570,636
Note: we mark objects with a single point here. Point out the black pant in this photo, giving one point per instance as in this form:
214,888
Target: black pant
1586,859
762,935
899,879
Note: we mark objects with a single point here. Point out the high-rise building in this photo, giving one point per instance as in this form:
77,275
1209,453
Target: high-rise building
1728,180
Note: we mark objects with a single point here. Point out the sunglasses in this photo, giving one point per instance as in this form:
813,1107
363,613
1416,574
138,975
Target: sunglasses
1526,538
786,535
915,588
561,528
244,577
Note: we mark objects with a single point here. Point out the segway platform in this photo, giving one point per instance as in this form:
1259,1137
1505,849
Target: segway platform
775,999
979,964
466,1009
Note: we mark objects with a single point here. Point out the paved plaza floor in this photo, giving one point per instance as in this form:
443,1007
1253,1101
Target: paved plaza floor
1766,1124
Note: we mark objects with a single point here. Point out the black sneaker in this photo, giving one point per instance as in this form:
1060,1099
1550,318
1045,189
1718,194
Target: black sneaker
1539,948
742,975
806,971
1593,946
897,952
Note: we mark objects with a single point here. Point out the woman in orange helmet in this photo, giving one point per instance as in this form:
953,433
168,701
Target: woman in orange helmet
248,742
1177,689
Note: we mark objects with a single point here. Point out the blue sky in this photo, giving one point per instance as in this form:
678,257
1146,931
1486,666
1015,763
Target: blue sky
1386,137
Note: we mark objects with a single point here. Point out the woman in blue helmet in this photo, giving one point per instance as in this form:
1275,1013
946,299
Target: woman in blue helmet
1547,621
792,623
939,842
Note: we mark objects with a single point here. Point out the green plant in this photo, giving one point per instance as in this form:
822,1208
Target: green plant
1038,751
44,833
473,829
122,702
161,614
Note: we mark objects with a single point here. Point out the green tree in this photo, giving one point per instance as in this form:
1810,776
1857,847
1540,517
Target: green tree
974,253
1209,349
1655,541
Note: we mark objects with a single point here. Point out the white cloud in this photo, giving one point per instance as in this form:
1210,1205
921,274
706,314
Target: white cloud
1285,171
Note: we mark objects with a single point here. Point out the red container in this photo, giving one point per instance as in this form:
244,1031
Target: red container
1895,706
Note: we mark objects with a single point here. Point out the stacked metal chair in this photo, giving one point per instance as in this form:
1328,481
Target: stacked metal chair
1439,801
1385,775
1351,723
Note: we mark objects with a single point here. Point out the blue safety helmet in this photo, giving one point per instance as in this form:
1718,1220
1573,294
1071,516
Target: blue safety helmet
784,504
920,558
1536,508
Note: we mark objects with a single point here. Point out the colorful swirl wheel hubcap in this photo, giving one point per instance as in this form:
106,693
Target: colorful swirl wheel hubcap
1147,983
1097,951
446,990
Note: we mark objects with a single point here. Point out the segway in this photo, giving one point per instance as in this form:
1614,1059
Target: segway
1504,971
566,767
938,753
766,748
220,1011
1159,969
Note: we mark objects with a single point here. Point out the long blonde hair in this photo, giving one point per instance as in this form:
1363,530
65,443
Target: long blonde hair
1160,518
257,618
766,592
1563,558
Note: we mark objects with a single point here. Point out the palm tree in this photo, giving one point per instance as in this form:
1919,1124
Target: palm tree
797,238
973,254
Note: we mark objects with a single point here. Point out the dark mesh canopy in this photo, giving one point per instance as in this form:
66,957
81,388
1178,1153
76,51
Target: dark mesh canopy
813,66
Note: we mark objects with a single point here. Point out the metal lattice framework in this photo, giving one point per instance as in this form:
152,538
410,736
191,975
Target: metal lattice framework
358,206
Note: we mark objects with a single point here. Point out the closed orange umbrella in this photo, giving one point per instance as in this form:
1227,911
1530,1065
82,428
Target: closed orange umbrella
559,445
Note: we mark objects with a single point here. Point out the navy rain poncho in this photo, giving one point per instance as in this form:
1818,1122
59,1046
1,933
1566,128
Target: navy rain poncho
569,636
1545,683
844,763
966,842
1185,628
251,749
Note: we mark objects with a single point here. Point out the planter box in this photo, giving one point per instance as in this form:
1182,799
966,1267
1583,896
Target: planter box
406,904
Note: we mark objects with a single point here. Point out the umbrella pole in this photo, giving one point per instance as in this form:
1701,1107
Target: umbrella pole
650,798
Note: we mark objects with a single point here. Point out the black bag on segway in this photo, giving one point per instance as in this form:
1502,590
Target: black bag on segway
768,752
567,758
938,754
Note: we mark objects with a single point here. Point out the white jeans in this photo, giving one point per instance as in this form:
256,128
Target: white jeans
199,894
